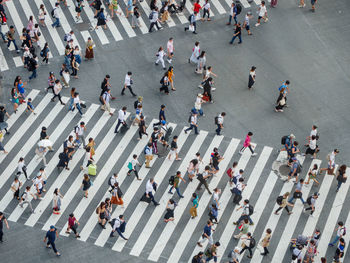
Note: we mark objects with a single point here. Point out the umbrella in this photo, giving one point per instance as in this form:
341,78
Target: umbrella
45,143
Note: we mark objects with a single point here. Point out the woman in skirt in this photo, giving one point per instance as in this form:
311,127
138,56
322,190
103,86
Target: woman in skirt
251,80
312,149
56,201
86,184
101,19
117,195
281,103
89,50
169,215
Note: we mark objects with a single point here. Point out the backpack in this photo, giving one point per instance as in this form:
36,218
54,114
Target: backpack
216,120
308,200
252,242
144,150
65,144
299,168
65,38
150,17
76,129
109,181
229,172
239,8
279,200
284,139
251,210
136,103
162,80
130,166
189,18
53,12
172,180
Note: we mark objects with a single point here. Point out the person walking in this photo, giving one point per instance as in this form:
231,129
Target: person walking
203,177
149,191
193,23
101,212
219,121
341,231
3,123
170,50
77,103
106,98
2,221
262,13
238,33
298,192
233,14
265,242
25,199
161,115
246,23
79,133
73,224
195,53
148,154
51,236
118,225
341,177
312,175
56,201
170,207
207,234
193,123
243,229
121,119
89,49
206,11
247,144
85,185
313,8
132,166
251,79
15,186
117,195
312,147
101,19
57,90
56,12
142,127
295,169
282,202
247,212
63,159
201,63
22,168
40,152
44,53
195,203
174,149
160,57
331,163
339,253
177,179
311,200
127,84
32,66
237,191
154,19
211,253
248,243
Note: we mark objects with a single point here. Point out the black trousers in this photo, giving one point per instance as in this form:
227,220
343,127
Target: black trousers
141,132
118,124
280,208
129,87
249,249
152,25
1,235
59,97
135,172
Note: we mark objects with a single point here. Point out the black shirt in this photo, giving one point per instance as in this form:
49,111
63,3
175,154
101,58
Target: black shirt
2,115
2,220
238,30
173,145
154,136
43,135
215,161
104,86
142,124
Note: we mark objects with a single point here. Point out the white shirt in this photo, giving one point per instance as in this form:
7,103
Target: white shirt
127,80
25,195
332,158
134,162
313,132
216,197
69,37
154,17
15,185
237,175
117,224
206,6
246,19
239,186
198,103
57,12
70,144
20,166
149,187
252,73
246,209
79,130
113,180
121,115
170,46
38,183
262,10
57,88
340,231
220,119
161,54
312,144
193,119
76,100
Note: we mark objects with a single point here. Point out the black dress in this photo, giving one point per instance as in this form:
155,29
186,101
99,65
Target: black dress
250,81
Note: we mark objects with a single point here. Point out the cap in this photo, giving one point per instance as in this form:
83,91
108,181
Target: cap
52,227
316,193
163,122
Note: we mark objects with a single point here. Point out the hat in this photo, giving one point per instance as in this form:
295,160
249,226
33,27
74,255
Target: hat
292,135
316,193
294,159
200,95
52,227
163,122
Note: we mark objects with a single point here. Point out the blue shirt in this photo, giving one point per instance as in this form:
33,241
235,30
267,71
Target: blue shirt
162,114
207,230
283,87
51,235
294,166
30,105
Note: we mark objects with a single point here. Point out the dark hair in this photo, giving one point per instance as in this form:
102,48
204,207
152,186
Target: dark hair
250,133
223,113
287,81
234,164
134,156
124,108
340,223
217,244
342,168
175,137
269,231
178,172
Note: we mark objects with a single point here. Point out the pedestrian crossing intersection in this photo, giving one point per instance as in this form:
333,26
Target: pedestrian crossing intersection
118,28
149,237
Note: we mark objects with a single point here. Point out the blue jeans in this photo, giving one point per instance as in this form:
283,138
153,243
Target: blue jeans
71,104
79,108
212,257
52,245
234,37
335,240
244,217
33,74
56,23
230,19
218,130
14,42
177,190
292,198
191,127
339,184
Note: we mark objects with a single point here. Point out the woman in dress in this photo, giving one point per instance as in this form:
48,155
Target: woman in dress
169,215
101,211
15,99
91,144
312,174
251,80
108,208
89,50
201,63
56,201
101,19
63,159
170,76
86,184
42,15
195,53
30,25
193,169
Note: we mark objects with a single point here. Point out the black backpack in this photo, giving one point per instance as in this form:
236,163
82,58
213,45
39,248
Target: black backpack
136,103
308,200
279,200
53,12
172,180
251,210
239,8
252,242
109,181
284,139
150,17
216,120
190,17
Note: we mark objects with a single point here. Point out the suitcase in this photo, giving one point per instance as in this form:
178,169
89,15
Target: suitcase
92,169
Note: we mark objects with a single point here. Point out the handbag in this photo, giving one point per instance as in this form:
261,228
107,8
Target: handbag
297,194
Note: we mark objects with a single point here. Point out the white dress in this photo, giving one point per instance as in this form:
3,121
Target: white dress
195,54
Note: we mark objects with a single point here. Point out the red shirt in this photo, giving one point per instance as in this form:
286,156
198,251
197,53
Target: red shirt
196,7
71,221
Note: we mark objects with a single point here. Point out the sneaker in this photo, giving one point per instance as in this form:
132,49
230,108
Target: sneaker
257,24
254,154
240,152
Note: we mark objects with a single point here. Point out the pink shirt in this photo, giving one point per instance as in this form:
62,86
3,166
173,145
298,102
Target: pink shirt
71,221
247,141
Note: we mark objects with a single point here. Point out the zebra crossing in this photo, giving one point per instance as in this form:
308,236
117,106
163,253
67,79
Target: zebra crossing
149,237
18,12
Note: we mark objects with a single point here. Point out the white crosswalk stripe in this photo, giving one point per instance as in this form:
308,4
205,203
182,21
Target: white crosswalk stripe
120,27
170,242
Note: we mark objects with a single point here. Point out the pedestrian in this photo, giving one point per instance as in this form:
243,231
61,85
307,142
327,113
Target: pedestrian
15,186
292,151
11,38
174,149
219,121
165,83
154,19
148,154
30,106
77,103
79,133
248,243
234,254
101,19
2,221
73,224
22,168
207,234
113,7
313,9
92,145
311,200
284,89
231,173
247,212
211,252
44,53
89,49
26,200
216,197
193,123
86,184
313,174
243,229
339,253
32,66
193,169
155,136
297,253
341,177
51,236
206,11
201,63
127,84
106,98
198,258
57,90
170,207
101,212
233,14
118,225
160,57
65,74
150,186
251,79
238,33
164,12
295,169
341,231
177,179
57,15
195,53
63,159
247,144
195,203
42,15
75,67
70,145
170,50
56,201
282,202
121,119
15,99
265,242
117,195
246,23
281,103
132,166
193,23
198,104
215,160
274,3
237,191
171,76
112,180
3,123
213,214
312,147
331,162
298,192
262,13
40,152
142,127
